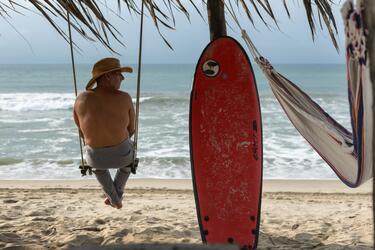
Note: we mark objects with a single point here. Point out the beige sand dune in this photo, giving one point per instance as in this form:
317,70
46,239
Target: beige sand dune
66,214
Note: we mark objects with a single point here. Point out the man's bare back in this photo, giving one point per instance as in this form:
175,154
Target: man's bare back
105,117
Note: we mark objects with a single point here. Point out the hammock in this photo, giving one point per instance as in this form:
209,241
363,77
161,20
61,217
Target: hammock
350,155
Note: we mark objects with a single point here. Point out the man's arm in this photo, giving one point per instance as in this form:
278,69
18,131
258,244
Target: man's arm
76,120
131,126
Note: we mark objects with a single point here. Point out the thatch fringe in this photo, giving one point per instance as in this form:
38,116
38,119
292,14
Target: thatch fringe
89,21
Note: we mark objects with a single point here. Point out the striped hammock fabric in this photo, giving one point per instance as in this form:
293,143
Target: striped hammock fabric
350,155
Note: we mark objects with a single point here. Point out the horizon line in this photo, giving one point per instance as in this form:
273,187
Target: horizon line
276,63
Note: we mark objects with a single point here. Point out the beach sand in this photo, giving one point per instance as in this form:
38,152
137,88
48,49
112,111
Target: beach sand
67,214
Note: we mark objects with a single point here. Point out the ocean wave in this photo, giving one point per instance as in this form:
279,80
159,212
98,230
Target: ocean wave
40,169
149,167
36,101
162,161
40,130
20,102
142,99
64,101
280,165
9,161
160,100
25,120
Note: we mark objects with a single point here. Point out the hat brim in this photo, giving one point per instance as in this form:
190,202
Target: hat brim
92,81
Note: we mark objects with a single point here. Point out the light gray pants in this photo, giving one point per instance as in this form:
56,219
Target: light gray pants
119,157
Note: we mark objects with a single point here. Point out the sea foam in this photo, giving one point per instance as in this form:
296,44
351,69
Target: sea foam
20,102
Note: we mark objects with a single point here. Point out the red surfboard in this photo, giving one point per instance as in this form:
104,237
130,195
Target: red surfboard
226,145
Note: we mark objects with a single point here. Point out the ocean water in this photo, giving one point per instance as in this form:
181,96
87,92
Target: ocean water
38,138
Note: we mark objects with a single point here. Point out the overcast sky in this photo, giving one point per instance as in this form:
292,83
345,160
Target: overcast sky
293,44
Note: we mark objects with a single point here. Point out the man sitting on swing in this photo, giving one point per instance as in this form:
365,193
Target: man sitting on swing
105,117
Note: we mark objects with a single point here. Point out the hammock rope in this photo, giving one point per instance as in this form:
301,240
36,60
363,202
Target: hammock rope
350,155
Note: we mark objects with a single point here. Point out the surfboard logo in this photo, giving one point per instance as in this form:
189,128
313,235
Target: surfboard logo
211,68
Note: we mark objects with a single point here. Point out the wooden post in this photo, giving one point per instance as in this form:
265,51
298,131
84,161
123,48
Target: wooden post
216,18
369,11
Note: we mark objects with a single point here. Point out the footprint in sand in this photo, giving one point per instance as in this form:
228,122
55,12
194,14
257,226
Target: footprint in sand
135,218
78,240
138,212
153,230
100,221
37,213
49,231
6,226
188,233
295,226
49,219
70,208
307,239
122,233
5,217
10,237
7,196
153,220
91,229
10,201
34,198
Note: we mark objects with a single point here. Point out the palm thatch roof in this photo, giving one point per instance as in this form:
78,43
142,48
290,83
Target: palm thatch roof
87,18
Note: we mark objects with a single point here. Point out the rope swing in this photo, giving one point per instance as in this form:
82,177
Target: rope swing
83,167
135,159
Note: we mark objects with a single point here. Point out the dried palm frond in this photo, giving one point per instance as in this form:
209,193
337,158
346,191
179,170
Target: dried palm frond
323,9
88,20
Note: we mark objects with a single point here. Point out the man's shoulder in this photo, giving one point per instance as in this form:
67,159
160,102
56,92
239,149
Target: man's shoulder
85,94
83,97
123,94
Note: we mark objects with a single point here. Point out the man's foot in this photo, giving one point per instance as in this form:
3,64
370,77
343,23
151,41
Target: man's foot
115,205
107,202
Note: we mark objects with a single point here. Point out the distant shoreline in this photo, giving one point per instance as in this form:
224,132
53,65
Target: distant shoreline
134,64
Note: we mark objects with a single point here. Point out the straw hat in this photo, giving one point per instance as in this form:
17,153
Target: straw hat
104,66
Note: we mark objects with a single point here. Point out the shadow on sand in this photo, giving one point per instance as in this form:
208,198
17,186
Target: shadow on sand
306,241
299,241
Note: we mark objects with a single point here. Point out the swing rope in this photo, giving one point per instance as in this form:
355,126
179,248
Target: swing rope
134,166
135,159
82,166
